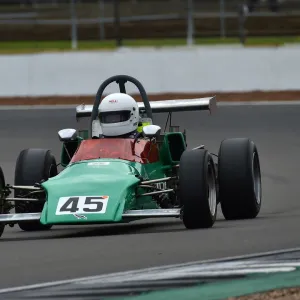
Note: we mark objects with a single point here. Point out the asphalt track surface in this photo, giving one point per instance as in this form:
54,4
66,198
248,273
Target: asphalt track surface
65,253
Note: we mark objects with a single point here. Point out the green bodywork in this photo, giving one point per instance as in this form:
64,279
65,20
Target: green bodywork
114,177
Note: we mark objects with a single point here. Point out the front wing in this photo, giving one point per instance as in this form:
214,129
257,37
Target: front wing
137,214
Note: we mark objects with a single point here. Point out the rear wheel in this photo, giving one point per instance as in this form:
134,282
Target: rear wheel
239,179
197,189
33,166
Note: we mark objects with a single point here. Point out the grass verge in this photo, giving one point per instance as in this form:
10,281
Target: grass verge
20,47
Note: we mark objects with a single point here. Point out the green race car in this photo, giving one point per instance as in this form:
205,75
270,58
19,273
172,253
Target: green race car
118,180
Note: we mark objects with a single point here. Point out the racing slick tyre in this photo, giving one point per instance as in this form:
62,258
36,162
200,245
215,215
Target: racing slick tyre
197,189
3,204
33,166
239,179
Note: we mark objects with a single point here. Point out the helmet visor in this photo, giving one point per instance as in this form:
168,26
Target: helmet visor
114,116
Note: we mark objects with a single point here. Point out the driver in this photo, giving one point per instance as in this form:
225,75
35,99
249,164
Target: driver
119,116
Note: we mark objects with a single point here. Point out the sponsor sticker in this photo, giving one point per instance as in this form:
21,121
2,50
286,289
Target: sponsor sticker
80,217
98,163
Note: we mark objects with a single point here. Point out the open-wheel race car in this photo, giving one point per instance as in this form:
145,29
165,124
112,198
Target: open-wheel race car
115,179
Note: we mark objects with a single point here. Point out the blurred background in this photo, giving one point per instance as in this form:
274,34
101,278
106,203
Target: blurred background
87,24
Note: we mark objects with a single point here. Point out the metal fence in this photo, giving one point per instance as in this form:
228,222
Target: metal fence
35,20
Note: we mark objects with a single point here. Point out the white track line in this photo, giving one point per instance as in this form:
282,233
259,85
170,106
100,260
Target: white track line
225,103
131,272
30,107
262,103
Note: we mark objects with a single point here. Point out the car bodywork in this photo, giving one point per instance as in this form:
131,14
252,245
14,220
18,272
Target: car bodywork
113,180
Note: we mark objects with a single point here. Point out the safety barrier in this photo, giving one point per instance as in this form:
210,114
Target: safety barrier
198,69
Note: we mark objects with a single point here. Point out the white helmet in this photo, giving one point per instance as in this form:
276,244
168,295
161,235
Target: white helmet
118,114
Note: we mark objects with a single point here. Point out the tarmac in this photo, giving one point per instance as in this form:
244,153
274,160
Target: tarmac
70,252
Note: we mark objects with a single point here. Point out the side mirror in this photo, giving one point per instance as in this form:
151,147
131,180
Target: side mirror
67,135
151,131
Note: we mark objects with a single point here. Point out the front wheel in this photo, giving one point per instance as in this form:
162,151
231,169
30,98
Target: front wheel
197,189
239,178
33,166
3,203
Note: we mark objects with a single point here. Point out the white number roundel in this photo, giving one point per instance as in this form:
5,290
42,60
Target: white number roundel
82,205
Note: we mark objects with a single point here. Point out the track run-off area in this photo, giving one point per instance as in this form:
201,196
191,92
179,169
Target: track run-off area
71,252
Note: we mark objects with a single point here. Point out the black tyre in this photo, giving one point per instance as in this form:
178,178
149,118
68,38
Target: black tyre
3,204
239,179
197,189
33,166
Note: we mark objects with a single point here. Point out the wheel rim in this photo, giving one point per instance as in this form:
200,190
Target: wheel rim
256,178
212,193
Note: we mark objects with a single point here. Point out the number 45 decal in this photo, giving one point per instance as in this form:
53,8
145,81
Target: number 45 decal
82,205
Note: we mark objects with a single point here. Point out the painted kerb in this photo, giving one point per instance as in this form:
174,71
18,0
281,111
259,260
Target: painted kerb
196,69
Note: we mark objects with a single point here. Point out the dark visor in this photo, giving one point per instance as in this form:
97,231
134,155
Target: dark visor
114,116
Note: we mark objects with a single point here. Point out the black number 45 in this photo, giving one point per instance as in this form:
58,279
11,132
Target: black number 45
90,204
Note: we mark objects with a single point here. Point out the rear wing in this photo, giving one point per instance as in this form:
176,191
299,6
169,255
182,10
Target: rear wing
164,106
84,112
